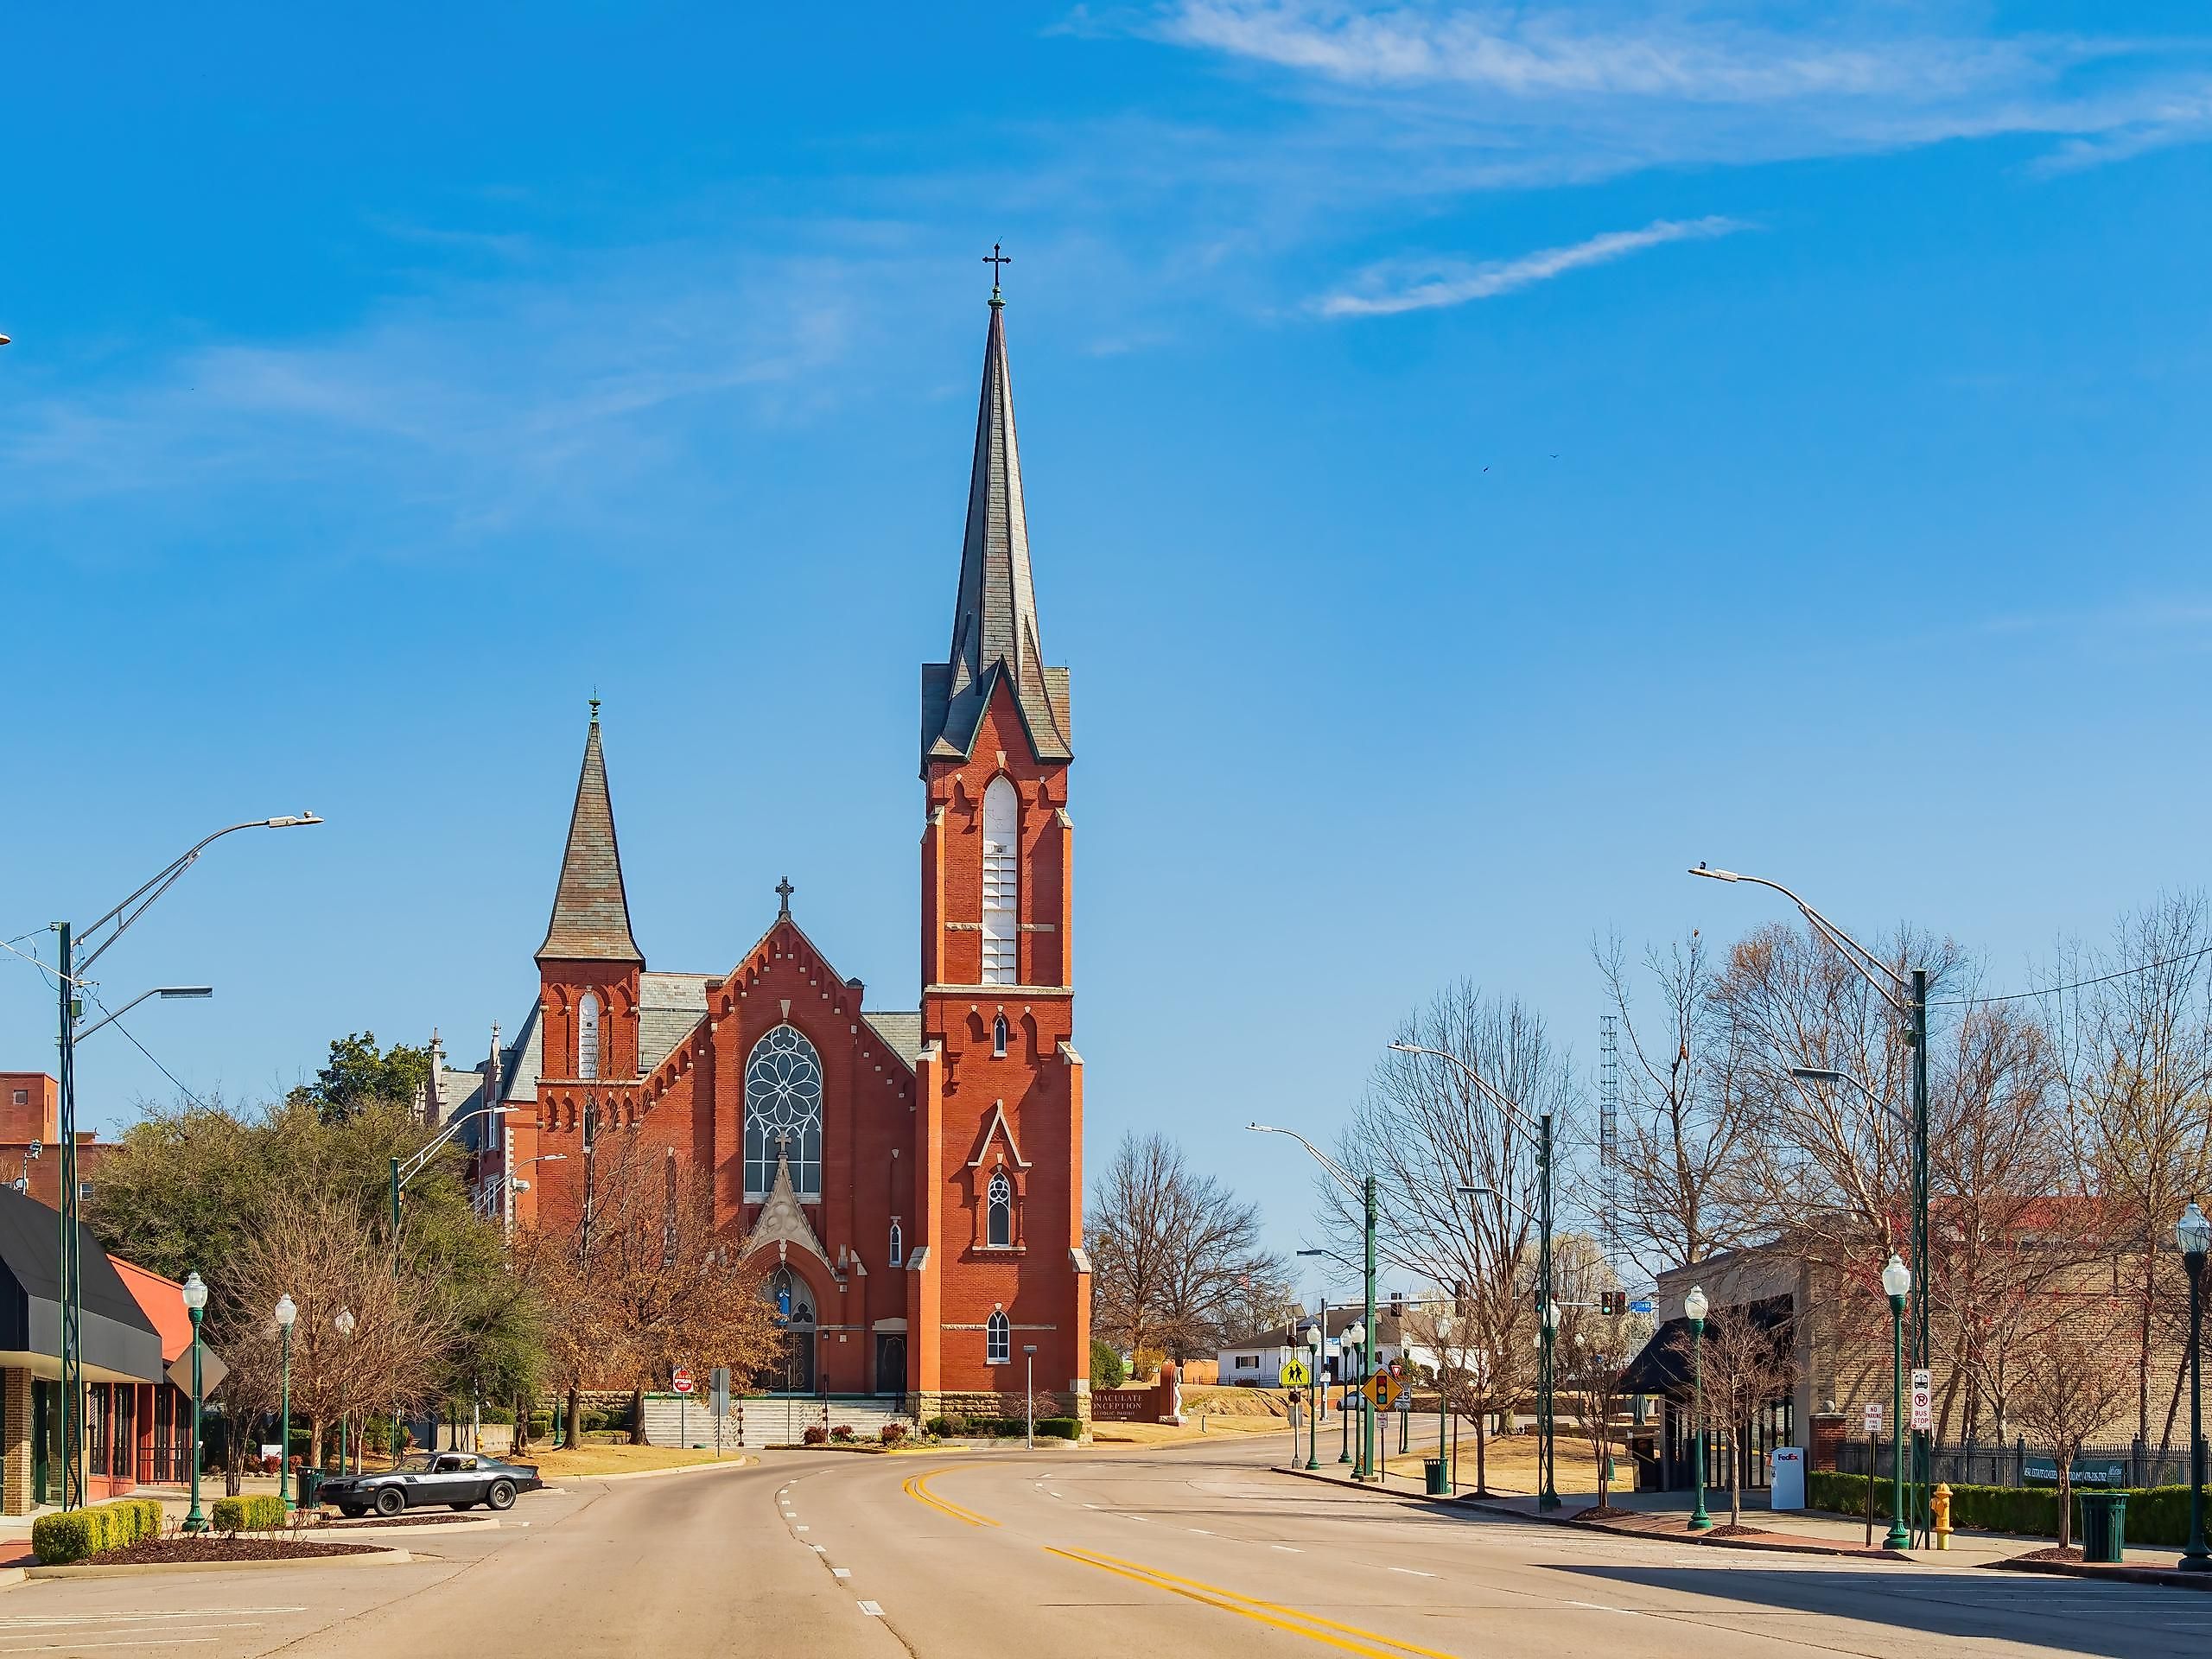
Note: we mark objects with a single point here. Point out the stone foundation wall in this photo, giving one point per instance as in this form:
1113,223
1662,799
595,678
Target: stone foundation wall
1050,1403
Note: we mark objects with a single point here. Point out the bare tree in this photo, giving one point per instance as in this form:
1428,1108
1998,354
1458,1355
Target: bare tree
2135,1047
1746,1366
2069,1388
1176,1260
1425,1132
1592,1351
1685,1114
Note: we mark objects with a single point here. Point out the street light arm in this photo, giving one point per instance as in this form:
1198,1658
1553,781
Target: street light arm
135,906
409,1168
1490,1090
1326,1162
1802,1075
1871,967
163,990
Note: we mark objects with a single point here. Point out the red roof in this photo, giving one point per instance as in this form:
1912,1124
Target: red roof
163,1300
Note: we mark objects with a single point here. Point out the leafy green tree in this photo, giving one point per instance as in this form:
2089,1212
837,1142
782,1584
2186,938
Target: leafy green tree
361,1074
1107,1371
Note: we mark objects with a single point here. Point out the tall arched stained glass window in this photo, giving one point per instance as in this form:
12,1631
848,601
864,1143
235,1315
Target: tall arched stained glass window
783,1113
998,1340
588,1035
999,1199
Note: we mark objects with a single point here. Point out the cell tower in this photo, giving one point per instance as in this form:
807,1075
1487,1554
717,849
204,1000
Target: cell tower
1608,1112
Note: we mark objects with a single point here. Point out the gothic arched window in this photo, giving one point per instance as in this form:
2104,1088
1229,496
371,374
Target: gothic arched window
999,1199
998,1037
783,1113
794,1303
588,1035
998,1340
1002,881
898,1244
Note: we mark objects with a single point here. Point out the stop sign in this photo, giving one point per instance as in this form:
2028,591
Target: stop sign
683,1383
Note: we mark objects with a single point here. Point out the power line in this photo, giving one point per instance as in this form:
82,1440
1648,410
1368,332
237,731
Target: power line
2078,984
148,1053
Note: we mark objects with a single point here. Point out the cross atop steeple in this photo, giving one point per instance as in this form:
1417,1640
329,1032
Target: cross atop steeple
784,891
995,259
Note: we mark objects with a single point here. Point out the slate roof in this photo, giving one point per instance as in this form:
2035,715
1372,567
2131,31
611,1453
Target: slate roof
670,1007
591,915
994,613
902,1032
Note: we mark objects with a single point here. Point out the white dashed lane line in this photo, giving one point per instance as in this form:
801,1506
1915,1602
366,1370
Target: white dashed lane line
870,1610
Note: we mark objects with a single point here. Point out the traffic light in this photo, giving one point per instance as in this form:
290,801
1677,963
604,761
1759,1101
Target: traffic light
1611,1302
1397,1305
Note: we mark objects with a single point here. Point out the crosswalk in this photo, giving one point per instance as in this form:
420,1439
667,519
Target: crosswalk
141,1627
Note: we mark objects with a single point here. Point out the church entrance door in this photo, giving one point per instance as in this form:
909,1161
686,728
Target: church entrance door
891,1365
788,1294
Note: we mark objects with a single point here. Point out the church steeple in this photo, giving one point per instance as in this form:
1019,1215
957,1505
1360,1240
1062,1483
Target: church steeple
994,634
591,913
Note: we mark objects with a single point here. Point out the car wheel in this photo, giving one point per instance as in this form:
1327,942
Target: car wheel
502,1494
391,1501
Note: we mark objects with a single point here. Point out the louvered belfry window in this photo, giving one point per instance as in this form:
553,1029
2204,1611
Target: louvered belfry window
588,1035
1002,881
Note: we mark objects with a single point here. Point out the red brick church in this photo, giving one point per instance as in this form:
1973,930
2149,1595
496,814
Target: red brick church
910,1180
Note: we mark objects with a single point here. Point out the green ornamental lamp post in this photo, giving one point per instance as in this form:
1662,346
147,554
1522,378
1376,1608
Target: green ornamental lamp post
2194,1233
1314,1416
1896,1285
1695,1306
344,1325
196,1302
1352,1363
287,1311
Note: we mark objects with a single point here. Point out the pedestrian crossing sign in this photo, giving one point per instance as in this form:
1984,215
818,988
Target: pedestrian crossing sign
1294,1374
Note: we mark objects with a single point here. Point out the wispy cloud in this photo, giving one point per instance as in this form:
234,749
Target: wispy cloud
1608,88
1389,289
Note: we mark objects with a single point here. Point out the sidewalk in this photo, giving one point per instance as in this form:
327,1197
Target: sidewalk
1666,1515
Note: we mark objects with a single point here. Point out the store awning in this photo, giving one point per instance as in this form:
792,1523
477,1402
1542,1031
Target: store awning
1662,1365
120,1344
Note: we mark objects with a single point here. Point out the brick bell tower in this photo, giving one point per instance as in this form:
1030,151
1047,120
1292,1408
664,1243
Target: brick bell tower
1000,1085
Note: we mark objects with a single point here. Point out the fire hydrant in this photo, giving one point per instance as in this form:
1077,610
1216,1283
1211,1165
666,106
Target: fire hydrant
1942,1506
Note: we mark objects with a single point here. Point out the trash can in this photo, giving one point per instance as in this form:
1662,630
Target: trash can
2104,1525
1439,1484
307,1487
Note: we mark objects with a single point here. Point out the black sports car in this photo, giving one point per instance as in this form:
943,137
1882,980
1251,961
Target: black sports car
462,1479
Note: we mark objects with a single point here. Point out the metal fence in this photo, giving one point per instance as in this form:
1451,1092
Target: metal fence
2133,1466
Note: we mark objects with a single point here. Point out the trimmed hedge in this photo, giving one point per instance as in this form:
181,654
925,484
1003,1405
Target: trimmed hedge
75,1535
1061,1429
2156,1516
1002,1428
262,1513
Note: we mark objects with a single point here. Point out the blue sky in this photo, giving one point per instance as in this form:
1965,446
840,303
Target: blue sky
1480,461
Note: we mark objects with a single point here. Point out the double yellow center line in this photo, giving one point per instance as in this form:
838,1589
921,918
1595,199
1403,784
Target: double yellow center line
1349,1638
918,1487
1327,1631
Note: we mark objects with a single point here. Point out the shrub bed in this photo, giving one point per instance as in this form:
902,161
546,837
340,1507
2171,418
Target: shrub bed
2156,1516
76,1535
262,1512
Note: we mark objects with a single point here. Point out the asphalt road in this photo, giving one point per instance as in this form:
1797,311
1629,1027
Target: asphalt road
1104,1553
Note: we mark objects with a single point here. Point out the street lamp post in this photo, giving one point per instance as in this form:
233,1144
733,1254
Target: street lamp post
1547,1421
1365,1192
196,1302
344,1325
1907,996
1313,1418
2194,1233
1348,1350
287,1311
76,951
1694,1307
1897,1284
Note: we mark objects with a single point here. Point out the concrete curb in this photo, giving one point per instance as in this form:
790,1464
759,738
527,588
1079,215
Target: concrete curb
737,1461
2166,1576
381,1558
1491,1506
336,1531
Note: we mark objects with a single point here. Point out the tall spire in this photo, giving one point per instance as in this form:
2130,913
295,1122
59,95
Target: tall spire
994,633
591,914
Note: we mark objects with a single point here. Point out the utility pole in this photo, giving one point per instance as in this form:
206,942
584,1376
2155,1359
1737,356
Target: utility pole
1920,1275
1367,1407
73,1363
1546,1322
